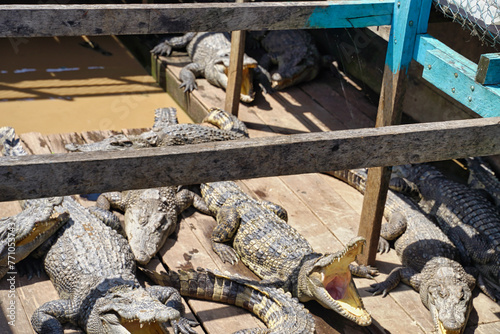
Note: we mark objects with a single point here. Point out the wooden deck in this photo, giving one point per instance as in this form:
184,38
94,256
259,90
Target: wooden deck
323,209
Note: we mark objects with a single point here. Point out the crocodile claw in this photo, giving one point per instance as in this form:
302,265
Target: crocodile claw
226,253
188,86
378,288
183,325
383,246
162,49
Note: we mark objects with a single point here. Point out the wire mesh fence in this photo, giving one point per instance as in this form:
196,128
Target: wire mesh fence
481,17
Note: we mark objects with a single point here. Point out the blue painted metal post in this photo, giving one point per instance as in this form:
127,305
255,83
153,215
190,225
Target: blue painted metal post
409,19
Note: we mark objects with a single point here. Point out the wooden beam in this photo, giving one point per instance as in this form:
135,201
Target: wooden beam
75,20
488,69
46,175
455,75
410,17
234,75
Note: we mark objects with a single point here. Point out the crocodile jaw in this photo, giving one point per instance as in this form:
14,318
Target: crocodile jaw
127,310
450,307
330,283
247,94
280,81
41,229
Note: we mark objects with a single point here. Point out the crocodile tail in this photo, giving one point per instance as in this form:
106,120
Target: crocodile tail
353,177
225,121
482,177
10,145
277,309
165,117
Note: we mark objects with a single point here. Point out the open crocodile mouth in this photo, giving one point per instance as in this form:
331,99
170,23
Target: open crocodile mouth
137,327
247,93
42,227
115,324
335,288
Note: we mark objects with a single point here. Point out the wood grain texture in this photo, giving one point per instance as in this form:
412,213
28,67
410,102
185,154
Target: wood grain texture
234,73
401,42
91,20
45,175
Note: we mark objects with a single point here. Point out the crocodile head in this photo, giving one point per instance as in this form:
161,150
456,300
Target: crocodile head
217,71
30,228
448,297
328,280
147,225
282,78
128,309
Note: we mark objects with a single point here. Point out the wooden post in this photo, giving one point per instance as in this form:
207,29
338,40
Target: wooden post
234,72
409,18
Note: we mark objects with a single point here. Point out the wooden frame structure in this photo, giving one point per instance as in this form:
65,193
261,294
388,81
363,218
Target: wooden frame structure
62,174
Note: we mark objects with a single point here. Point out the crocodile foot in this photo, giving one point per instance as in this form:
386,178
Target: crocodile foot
184,326
363,271
226,253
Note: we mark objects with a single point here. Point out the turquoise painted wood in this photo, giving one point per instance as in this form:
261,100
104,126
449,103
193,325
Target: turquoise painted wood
455,75
410,18
352,14
488,69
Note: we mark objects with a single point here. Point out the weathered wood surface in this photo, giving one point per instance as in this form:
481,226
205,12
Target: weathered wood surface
234,72
87,172
130,19
397,61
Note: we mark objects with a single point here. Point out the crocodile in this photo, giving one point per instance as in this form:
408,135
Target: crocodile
468,218
482,177
210,54
294,54
279,255
278,310
429,259
21,234
93,270
151,214
165,132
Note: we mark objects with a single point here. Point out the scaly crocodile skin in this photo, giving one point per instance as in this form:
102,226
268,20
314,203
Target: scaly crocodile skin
93,271
429,259
276,252
278,310
469,220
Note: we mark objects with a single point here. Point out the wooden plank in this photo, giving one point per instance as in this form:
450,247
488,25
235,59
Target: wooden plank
13,319
36,176
129,19
234,73
455,75
488,69
408,17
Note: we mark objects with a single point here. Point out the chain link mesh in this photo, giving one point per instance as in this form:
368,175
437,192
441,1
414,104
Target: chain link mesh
481,17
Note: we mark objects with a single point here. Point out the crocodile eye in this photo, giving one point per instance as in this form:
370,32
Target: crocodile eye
443,293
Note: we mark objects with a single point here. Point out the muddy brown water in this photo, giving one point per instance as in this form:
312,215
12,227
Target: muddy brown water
61,84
